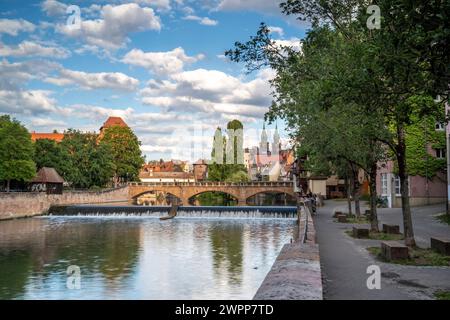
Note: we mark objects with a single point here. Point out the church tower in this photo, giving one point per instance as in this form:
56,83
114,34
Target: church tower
276,146
264,143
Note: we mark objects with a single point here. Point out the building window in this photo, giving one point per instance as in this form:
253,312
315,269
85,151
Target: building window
440,153
439,126
384,184
397,186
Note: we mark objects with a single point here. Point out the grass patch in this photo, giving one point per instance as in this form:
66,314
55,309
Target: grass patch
444,218
442,295
418,257
378,236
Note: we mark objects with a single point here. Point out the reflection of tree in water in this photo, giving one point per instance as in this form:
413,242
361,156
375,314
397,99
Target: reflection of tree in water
15,269
48,247
227,248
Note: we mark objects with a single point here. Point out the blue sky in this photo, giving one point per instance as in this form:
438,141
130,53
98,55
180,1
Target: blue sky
157,63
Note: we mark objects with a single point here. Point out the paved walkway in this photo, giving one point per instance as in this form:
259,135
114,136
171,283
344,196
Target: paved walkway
345,260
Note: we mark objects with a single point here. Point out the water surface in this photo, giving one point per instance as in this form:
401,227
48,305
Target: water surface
138,258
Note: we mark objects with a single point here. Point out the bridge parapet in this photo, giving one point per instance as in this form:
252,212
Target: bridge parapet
216,183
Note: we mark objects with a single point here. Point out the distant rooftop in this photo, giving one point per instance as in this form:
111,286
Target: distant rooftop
51,136
114,121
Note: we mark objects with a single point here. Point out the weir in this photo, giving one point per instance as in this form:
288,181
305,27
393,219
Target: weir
235,212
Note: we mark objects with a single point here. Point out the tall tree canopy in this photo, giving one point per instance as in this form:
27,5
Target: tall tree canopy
388,76
125,150
16,152
91,163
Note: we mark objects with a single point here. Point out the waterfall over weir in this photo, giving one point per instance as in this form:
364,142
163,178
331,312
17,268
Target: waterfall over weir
234,212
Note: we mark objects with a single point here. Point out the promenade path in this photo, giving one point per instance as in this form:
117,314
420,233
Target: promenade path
345,260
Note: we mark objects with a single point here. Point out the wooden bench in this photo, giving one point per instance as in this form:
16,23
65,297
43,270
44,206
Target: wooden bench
441,245
391,228
360,232
394,250
342,218
367,213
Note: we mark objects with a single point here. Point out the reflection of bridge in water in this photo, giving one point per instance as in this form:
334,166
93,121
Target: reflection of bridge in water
186,190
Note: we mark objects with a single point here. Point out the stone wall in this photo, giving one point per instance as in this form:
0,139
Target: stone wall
296,273
25,204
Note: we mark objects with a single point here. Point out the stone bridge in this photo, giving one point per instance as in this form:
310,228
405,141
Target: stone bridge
186,190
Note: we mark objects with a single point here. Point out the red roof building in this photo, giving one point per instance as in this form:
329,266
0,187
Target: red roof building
51,136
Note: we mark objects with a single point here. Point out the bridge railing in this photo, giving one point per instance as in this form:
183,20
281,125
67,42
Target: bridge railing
217,183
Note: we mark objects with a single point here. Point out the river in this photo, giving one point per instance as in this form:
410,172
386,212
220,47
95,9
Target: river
138,257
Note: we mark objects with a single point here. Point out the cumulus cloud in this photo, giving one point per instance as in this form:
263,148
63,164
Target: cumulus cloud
89,81
14,26
115,23
211,92
32,49
161,63
293,43
31,102
202,20
54,8
278,30
253,5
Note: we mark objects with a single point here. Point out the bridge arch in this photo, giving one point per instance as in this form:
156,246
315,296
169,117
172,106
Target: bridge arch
271,197
191,199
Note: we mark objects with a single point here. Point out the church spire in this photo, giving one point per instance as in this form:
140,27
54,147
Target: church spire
264,140
276,146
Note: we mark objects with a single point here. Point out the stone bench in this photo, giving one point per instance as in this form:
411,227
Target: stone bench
360,232
341,218
394,250
441,245
391,228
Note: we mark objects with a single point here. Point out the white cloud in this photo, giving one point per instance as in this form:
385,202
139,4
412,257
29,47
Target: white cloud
89,81
278,30
30,102
14,75
33,49
210,92
160,4
14,26
161,63
48,122
112,29
293,43
202,20
263,6
54,8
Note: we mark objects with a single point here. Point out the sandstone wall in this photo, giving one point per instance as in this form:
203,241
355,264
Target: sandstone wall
24,204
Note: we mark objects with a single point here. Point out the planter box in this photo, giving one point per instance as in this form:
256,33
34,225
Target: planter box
360,232
441,245
342,218
390,228
394,250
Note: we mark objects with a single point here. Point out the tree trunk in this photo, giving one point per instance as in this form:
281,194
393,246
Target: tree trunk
356,190
404,188
373,198
349,192
7,185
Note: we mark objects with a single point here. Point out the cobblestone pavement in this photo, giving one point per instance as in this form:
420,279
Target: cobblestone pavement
345,260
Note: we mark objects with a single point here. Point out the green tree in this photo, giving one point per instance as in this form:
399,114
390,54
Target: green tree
393,73
49,153
126,152
91,163
16,152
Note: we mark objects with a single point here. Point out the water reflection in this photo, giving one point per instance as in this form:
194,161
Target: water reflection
138,258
